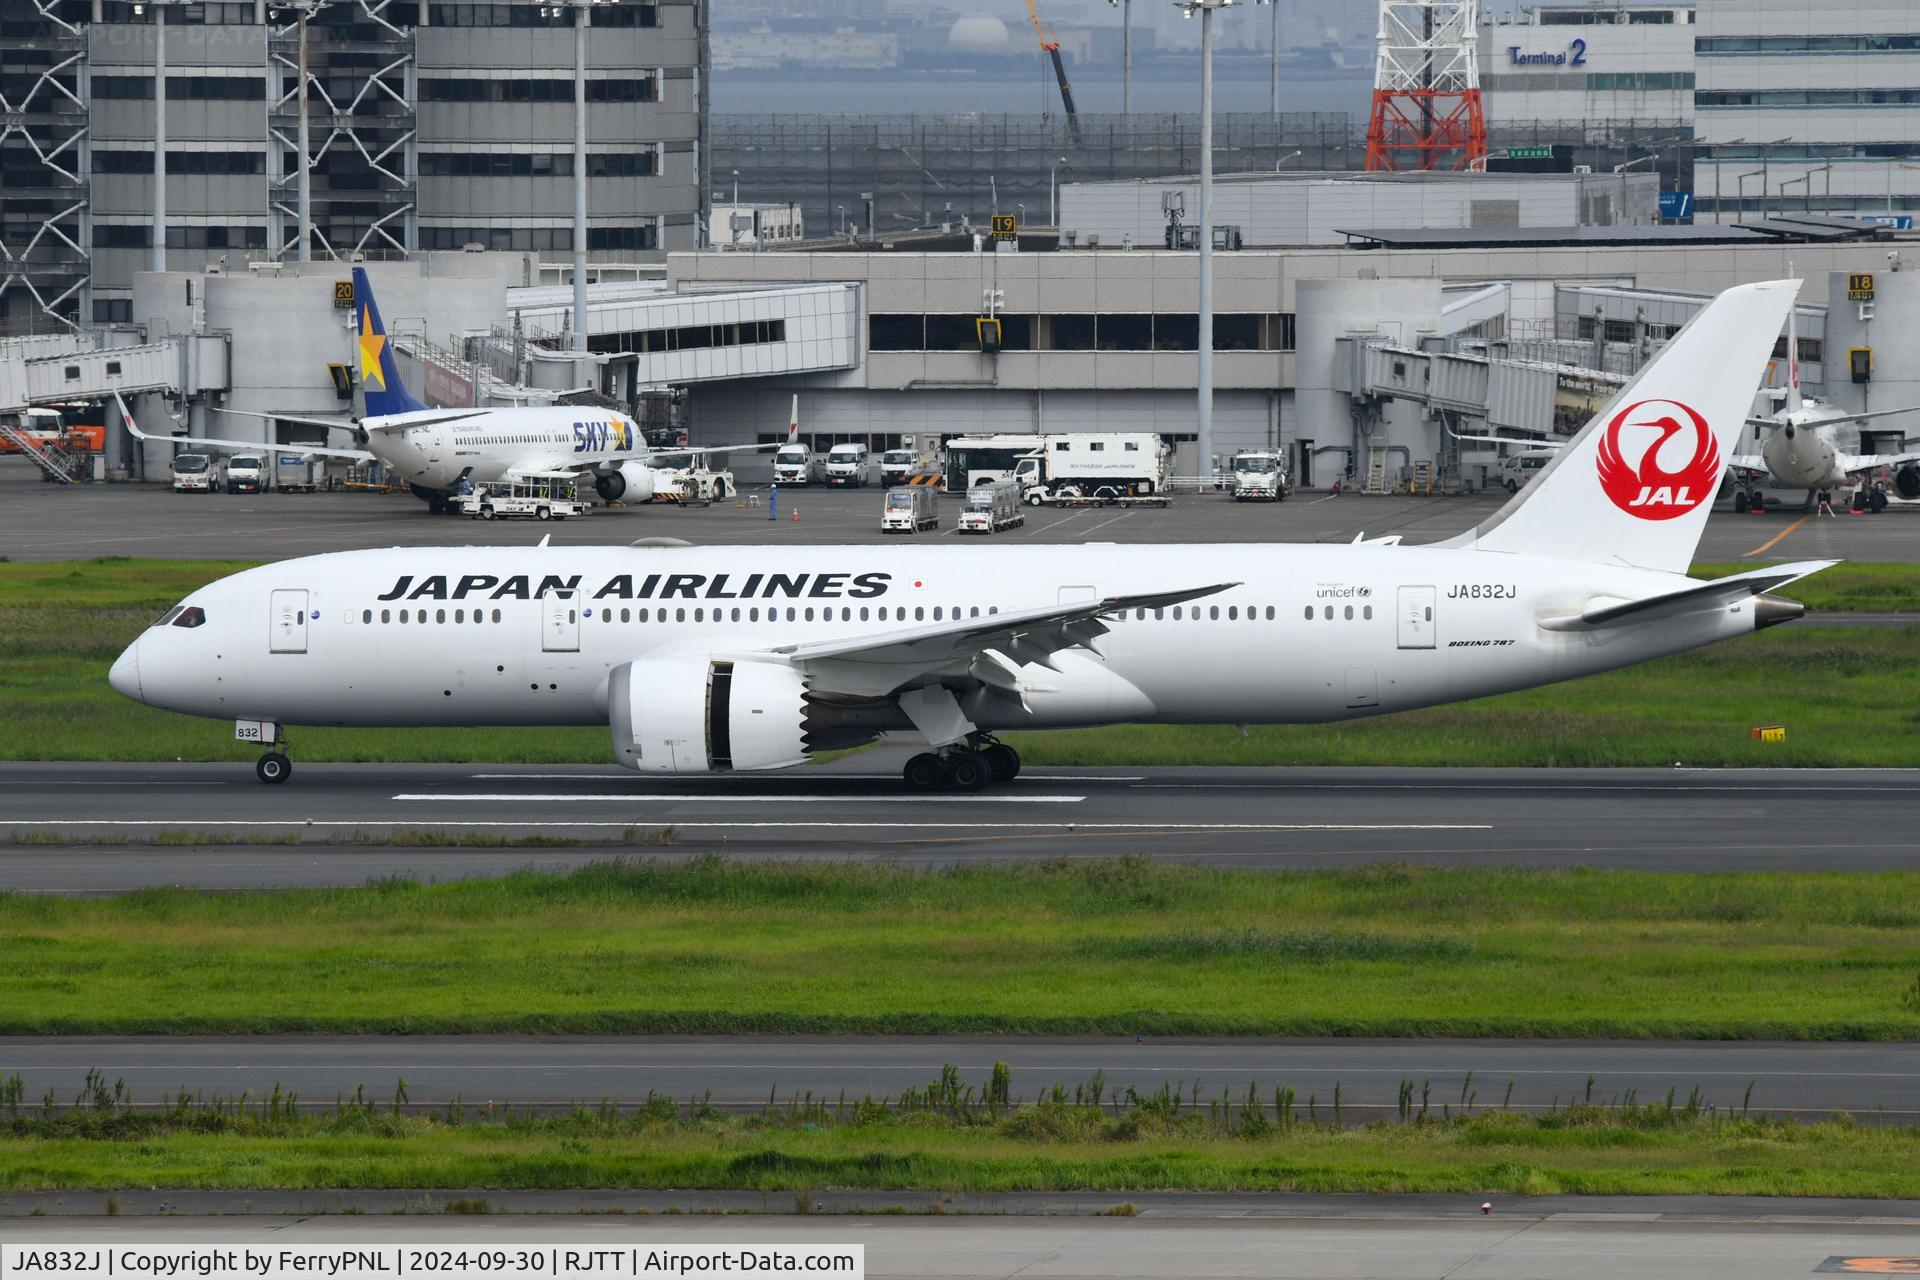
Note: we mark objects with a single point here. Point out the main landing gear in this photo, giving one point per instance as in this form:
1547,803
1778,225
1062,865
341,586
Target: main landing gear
979,763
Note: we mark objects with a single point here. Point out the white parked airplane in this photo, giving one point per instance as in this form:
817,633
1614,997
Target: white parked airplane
751,657
1801,446
434,450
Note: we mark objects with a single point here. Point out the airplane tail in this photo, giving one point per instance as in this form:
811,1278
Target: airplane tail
793,421
1635,486
379,374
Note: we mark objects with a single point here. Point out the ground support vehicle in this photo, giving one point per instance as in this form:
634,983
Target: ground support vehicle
910,509
546,495
692,486
991,508
1259,476
194,473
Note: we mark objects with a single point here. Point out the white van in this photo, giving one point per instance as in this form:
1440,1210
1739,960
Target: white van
1518,468
246,473
794,464
847,465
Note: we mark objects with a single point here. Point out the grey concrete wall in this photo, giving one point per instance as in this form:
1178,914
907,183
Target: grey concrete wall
1890,333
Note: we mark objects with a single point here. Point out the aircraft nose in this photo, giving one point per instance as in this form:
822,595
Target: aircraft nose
125,674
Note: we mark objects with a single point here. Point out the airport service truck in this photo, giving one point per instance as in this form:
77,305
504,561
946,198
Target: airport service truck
910,508
1259,476
912,463
1087,467
795,464
1518,468
992,507
194,473
847,465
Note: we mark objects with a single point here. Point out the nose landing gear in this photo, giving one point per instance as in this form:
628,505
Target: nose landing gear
273,766
979,763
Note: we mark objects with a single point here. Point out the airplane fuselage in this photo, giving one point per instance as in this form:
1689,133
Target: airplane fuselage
485,636
438,452
1805,455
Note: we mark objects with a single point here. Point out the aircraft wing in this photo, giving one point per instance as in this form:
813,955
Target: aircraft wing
458,415
989,649
335,424
1523,444
1748,462
1696,598
1854,463
248,446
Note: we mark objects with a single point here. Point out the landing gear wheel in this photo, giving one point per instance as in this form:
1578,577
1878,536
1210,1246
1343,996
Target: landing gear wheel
436,505
1003,760
968,771
1740,504
273,767
924,772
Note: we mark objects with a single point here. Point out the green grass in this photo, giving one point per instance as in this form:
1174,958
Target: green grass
1844,695
1104,947
1132,1145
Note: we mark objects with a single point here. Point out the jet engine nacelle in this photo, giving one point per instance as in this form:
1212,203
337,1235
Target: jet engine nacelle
627,482
1906,482
698,714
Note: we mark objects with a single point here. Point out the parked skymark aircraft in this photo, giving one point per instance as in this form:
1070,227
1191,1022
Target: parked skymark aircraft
433,450
711,660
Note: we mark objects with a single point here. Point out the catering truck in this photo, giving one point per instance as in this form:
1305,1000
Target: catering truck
1259,476
1089,467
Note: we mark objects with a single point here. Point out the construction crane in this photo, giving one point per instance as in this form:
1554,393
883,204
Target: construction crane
1051,43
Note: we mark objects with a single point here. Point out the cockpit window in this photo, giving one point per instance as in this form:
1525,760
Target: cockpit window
191,616
169,615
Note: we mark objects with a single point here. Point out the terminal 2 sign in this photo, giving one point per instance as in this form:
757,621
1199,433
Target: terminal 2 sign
1574,55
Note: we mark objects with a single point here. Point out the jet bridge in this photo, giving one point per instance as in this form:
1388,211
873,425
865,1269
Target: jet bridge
59,368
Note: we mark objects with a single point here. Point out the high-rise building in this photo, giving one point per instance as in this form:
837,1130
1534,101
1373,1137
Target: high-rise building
1802,106
432,126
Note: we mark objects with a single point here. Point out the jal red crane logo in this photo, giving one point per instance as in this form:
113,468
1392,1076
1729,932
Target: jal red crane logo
1645,487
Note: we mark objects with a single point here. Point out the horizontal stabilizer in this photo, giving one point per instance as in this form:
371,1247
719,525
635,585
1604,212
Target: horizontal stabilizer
1700,597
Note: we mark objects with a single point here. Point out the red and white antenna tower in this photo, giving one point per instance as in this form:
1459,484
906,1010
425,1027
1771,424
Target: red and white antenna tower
1426,87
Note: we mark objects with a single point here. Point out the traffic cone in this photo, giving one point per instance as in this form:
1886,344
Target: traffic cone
795,515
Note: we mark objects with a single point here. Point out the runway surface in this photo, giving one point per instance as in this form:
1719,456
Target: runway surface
53,522
1809,1079
109,816
1616,1242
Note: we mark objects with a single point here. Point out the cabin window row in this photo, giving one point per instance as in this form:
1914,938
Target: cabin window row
1326,613
420,615
1211,613
865,613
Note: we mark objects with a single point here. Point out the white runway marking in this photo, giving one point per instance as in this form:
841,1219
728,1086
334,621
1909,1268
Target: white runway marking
548,824
720,797
625,775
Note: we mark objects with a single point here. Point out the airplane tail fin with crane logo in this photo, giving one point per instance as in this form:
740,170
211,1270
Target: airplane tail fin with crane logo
379,374
793,421
1635,486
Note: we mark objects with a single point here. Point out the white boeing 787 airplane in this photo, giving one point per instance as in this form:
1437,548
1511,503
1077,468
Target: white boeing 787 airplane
710,660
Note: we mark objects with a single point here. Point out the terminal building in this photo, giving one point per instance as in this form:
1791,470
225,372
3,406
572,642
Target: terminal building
433,126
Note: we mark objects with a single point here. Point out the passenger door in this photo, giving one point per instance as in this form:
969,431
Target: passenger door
287,621
560,621
1417,627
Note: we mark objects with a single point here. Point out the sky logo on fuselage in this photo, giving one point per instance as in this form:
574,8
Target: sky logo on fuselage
601,437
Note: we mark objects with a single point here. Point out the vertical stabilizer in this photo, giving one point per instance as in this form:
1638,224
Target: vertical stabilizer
793,420
1635,486
1795,402
379,375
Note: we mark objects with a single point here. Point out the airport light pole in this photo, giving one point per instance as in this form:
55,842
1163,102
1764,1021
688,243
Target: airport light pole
582,21
1740,185
1203,418
1126,56
1053,186
1273,61
1295,154
158,259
